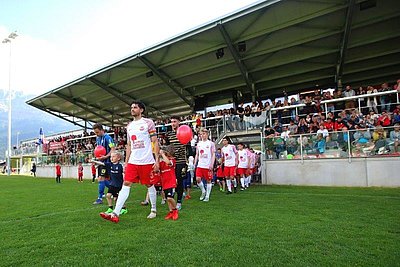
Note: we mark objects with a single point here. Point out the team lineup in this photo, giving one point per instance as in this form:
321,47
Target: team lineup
168,169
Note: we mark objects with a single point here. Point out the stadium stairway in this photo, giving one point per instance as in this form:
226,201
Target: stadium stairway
248,137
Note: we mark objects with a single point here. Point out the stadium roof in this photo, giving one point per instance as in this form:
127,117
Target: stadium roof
254,53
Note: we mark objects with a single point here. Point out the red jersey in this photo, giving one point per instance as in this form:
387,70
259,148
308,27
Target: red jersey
329,125
58,169
93,169
80,169
155,178
338,126
168,178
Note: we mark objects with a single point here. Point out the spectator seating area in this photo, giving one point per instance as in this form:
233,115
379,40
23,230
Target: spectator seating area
321,123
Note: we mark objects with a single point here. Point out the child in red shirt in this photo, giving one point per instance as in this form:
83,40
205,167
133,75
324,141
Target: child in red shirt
93,172
80,172
168,181
58,172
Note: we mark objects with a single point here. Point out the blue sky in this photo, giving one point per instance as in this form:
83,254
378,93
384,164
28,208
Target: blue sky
60,41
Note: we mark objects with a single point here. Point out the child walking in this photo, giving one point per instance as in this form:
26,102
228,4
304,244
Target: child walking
168,181
58,172
80,172
189,177
93,172
116,179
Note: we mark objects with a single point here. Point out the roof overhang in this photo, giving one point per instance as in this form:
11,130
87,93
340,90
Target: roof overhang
256,52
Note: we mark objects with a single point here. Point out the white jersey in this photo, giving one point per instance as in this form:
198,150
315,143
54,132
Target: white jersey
229,153
243,158
252,159
139,133
205,149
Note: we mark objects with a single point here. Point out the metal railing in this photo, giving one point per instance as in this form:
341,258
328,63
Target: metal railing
222,124
69,159
372,142
370,104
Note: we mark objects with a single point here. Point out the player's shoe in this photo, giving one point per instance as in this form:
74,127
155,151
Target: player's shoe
175,215
228,192
169,215
144,203
188,197
178,206
124,211
98,202
152,215
221,189
206,199
234,189
163,202
203,195
110,210
112,217
105,215
241,188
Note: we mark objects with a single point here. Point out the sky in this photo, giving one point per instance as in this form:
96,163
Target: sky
60,41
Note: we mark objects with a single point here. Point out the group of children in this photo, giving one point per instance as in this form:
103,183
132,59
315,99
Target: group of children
80,172
164,180
233,166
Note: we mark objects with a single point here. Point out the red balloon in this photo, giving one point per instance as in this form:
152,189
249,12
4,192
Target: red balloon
99,151
184,134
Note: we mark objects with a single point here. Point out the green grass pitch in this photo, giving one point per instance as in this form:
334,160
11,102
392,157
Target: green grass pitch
47,224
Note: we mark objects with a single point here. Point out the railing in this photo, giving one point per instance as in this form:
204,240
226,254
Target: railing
373,142
228,123
26,150
369,100
69,159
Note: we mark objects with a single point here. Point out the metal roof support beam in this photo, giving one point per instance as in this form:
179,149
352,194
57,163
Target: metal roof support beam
93,106
242,68
55,114
72,101
344,42
124,98
166,79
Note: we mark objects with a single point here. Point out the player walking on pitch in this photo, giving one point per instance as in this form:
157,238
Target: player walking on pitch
139,161
230,160
205,157
103,139
244,165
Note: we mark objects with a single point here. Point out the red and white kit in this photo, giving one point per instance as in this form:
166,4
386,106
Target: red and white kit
229,154
141,160
205,157
244,160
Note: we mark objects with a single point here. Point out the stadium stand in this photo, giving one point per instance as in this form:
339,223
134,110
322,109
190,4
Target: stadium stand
289,51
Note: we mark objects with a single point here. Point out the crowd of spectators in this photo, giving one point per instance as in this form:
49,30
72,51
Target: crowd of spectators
310,118
368,130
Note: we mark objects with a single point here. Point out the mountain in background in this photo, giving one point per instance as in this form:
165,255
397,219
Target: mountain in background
27,120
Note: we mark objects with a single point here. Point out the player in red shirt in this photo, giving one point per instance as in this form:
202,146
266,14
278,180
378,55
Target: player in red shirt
168,181
80,172
58,172
93,172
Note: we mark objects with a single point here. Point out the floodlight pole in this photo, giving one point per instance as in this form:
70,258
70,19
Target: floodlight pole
12,35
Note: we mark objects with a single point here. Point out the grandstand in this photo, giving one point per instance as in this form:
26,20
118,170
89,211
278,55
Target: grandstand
268,56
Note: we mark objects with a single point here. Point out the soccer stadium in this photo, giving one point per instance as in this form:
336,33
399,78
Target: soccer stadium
275,131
